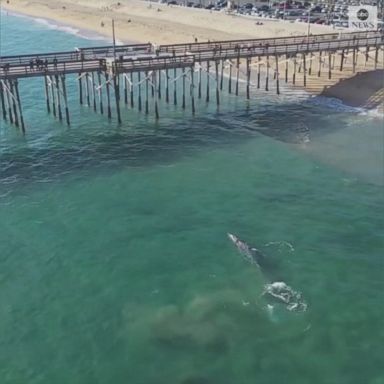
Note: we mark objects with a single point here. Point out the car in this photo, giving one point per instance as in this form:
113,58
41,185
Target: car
285,6
315,9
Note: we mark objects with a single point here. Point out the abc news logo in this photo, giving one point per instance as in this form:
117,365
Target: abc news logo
363,17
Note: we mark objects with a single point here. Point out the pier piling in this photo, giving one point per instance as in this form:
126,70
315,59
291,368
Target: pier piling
125,89
107,84
167,86
354,60
329,66
286,68
183,96
146,92
139,90
376,56
4,112
192,89
277,75
58,97
14,105
310,64
63,86
207,95
100,91
19,106
80,80
46,94
174,86
222,75
237,75
248,77
93,91
51,86
131,90
199,81
116,86
8,98
156,81
87,89
341,60
217,83
230,77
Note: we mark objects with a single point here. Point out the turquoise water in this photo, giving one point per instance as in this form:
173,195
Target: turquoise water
115,263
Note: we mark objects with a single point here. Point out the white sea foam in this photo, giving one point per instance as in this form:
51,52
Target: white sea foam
333,103
374,113
338,105
281,245
292,300
50,24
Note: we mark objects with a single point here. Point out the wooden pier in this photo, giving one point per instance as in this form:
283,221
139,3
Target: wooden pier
106,73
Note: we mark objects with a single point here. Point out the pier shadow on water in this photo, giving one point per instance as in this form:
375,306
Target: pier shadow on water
95,145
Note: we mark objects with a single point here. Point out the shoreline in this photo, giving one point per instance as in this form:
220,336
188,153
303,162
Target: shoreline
51,23
136,20
57,15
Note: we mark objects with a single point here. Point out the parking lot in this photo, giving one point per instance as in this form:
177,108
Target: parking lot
327,13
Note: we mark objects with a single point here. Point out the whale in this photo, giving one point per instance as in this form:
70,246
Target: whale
250,254
277,290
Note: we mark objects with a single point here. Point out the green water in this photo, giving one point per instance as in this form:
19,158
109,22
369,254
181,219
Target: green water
129,276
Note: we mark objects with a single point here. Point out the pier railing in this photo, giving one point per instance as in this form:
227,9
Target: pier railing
228,44
79,54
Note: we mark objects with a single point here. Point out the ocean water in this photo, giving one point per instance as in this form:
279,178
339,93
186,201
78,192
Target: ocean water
115,262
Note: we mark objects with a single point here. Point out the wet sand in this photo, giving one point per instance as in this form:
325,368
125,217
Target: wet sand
365,89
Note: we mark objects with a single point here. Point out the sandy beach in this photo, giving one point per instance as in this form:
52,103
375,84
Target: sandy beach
139,21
